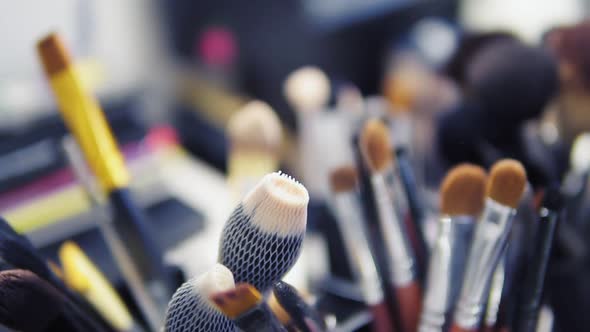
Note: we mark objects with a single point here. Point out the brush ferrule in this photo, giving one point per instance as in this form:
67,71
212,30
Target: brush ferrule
496,288
489,243
445,268
392,230
356,241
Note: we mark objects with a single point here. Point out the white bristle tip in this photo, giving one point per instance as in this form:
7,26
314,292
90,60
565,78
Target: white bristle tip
218,279
278,205
307,89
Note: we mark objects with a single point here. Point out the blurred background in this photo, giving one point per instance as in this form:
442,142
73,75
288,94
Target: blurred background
480,80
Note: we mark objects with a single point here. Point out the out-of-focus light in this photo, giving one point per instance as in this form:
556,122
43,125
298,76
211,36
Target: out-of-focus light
435,39
217,46
528,19
549,133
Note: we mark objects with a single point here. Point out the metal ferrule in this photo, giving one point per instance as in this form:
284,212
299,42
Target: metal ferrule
356,242
445,267
490,240
496,288
396,244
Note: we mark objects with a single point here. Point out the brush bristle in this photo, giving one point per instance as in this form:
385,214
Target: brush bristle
238,301
375,145
54,55
343,179
278,205
27,302
18,251
256,126
278,310
218,279
307,89
462,191
507,182
580,153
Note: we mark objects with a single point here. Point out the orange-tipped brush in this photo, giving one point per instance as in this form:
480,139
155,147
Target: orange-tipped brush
504,190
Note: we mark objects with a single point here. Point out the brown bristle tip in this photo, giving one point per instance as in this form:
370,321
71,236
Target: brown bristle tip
343,179
507,182
54,54
376,145
462,191
235,302
278,310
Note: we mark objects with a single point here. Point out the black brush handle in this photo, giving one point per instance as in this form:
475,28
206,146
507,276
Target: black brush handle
410,186
415,204
131,225
259,319
526,320
297,308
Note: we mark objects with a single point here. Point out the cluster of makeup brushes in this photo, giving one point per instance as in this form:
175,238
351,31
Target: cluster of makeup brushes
454,284
458,281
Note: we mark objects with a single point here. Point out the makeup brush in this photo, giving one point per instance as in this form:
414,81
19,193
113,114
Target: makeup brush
307,91
191,309
30,304
306,318
462,195
255,133
16,251
146,303
262,239
530,302
504,188
81,275
346,207
84,118
245,306
407,180
377,154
